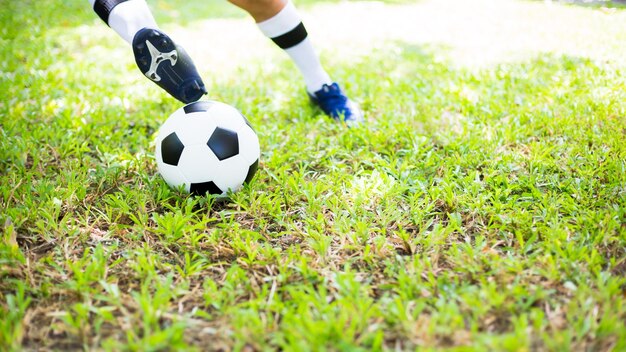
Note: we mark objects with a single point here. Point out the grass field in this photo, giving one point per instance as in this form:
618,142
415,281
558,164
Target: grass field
482,207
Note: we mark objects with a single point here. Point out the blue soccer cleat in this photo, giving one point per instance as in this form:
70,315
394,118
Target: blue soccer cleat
336,104
168,65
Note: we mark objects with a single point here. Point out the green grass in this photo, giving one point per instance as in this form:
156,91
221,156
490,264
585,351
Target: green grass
482,208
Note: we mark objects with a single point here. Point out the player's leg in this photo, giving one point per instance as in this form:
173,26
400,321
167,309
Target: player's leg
156,55
280,21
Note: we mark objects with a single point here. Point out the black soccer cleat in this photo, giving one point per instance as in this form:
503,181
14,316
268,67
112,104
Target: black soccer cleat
168,65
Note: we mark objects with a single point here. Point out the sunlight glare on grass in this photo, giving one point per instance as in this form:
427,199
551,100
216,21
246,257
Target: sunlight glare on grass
472,33
476,33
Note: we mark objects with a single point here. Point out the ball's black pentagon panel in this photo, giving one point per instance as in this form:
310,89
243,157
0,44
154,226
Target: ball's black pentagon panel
251,171
224,143
171,149
201,189
197,106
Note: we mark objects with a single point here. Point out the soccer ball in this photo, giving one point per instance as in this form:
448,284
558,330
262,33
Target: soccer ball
207,146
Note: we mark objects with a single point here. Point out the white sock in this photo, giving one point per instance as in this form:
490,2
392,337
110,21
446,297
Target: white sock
128,17
287,31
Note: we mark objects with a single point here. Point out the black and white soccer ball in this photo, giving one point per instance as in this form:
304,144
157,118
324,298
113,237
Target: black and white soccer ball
207,146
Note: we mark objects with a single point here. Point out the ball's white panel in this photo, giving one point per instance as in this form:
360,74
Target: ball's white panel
171,124
219,108
180,113
172,175
231,173
227,117
195,128
198,163
249,147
